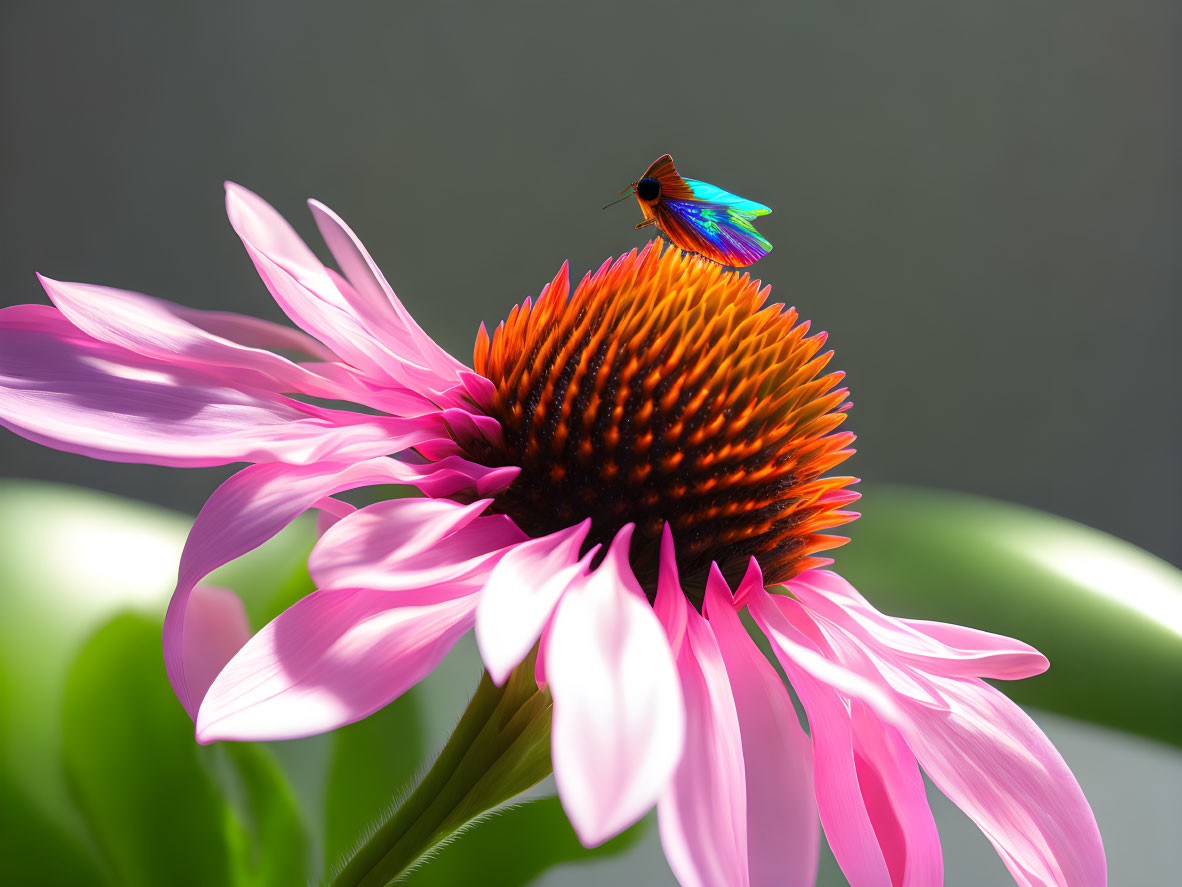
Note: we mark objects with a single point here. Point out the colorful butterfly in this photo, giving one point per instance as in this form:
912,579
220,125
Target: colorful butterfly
700,217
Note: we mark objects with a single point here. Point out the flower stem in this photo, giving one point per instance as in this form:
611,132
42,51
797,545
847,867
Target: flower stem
500,748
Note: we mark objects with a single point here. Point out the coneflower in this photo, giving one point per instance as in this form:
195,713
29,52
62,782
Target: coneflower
626,469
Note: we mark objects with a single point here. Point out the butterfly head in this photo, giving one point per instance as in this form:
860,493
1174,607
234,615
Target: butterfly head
648,190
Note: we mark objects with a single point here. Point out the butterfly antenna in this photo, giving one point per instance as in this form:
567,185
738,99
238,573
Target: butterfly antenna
623,195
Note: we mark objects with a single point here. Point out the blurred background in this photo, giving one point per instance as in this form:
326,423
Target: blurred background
980,203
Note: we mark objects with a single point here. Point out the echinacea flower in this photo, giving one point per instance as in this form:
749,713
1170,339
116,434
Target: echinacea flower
626,468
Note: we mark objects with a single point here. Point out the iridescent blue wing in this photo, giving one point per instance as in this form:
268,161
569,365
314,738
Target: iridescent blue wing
717,231
708,193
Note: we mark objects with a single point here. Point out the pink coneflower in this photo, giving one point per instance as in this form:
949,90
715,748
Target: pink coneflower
627,468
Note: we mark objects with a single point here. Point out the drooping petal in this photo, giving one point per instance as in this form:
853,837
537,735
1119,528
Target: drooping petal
941,648
521,594
619,720
217,629
983,752
703,813
332,658
406,544
155,328
783,832
64,389
994,763
242,514
840,802
896,802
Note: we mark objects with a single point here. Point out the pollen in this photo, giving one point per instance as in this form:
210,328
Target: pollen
664,390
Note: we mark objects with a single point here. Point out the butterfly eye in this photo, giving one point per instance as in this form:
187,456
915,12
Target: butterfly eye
648,189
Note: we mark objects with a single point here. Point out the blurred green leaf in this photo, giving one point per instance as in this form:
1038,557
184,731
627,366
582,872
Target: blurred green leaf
35,850
518,844
133,766
1107,614
69,560
268,840
373,763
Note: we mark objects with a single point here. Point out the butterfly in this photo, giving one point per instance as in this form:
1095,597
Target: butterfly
700,217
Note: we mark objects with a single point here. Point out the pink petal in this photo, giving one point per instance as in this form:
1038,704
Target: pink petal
321,302
994,763
783,834
842,807
406,544
61,388
159,329
896,802
242,514
670,604
376,300
932,646
619,720
988,757
254,332
703,812
970,652
778,619
331,659
521,594
217,629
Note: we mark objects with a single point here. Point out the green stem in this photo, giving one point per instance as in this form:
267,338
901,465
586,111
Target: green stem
500,747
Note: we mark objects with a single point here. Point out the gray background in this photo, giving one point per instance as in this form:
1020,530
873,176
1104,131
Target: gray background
979,201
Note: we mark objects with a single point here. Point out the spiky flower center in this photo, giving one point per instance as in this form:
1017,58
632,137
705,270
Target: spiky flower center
663,391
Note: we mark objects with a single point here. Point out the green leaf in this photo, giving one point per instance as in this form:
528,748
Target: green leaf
373,763
268,841
71,558
35,850
1107,614
518,843
133,766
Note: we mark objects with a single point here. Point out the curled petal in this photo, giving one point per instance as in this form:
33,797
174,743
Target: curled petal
332,658
896,802
619,720
521,593
242,514
217,629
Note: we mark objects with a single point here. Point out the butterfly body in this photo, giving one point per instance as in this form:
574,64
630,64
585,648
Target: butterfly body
700,217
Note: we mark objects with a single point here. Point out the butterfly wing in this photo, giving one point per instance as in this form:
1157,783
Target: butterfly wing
708,193
715,230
